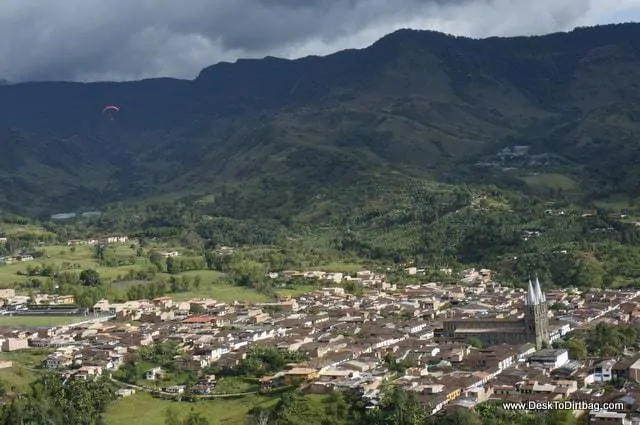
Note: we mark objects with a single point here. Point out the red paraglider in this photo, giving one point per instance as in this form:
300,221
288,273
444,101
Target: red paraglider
111,108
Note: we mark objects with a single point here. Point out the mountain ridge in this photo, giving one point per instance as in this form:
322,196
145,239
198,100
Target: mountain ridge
418,103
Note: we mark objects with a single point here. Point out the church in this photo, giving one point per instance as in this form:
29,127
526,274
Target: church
533,327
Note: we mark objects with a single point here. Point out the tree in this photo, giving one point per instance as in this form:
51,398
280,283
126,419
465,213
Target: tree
261,417
90,277
474,342
590,273
12,413
247,272
99,251
53,400
174,266
261,361
577,348
399,407
608,340
191,240
157,260
456,417
196,309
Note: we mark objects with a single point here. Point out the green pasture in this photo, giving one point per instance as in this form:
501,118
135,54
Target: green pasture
39,321
143,409
551,181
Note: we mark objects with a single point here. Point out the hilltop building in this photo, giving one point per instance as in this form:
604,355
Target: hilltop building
533,327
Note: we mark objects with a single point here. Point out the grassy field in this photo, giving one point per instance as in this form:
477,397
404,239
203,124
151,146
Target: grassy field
82,257
223,292
37,321
21,373
205,275
17,377
78,258
616,203
10,230
551,181
236,385
30,357
142,409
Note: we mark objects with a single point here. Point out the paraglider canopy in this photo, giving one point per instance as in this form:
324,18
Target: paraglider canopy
111,108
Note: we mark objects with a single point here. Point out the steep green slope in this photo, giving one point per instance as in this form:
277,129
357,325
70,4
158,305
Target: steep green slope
283,134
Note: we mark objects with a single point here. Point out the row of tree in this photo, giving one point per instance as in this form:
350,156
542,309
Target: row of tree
53,400
397,407
603,340
431,226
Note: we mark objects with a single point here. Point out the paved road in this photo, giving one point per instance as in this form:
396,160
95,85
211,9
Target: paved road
205,396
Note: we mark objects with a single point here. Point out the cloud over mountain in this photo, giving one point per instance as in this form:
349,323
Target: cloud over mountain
122,39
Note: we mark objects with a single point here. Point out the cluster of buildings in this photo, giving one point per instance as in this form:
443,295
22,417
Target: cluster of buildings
9,299
365,278
11,259
102,240
455,346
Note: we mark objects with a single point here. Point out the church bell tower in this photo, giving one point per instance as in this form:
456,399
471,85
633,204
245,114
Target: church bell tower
536,315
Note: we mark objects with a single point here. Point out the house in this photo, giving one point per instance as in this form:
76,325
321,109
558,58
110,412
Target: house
213,352
175,389
125,392
605,417
333,277
193,363
6,294
201,389
603,371
86,372
549,358
291,376
153,374
57,361
102,306
13,344
157,316
634,371
113,239
163,302
62,299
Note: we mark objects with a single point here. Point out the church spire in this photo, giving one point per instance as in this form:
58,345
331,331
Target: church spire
531,299
539,294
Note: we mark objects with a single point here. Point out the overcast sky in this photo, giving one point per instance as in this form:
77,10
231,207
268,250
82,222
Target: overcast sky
89,40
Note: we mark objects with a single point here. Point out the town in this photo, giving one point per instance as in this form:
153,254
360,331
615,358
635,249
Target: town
454,345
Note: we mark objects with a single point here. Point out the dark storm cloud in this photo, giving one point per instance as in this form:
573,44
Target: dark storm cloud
126,39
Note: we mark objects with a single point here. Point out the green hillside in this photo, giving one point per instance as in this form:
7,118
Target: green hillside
423,145
416,102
